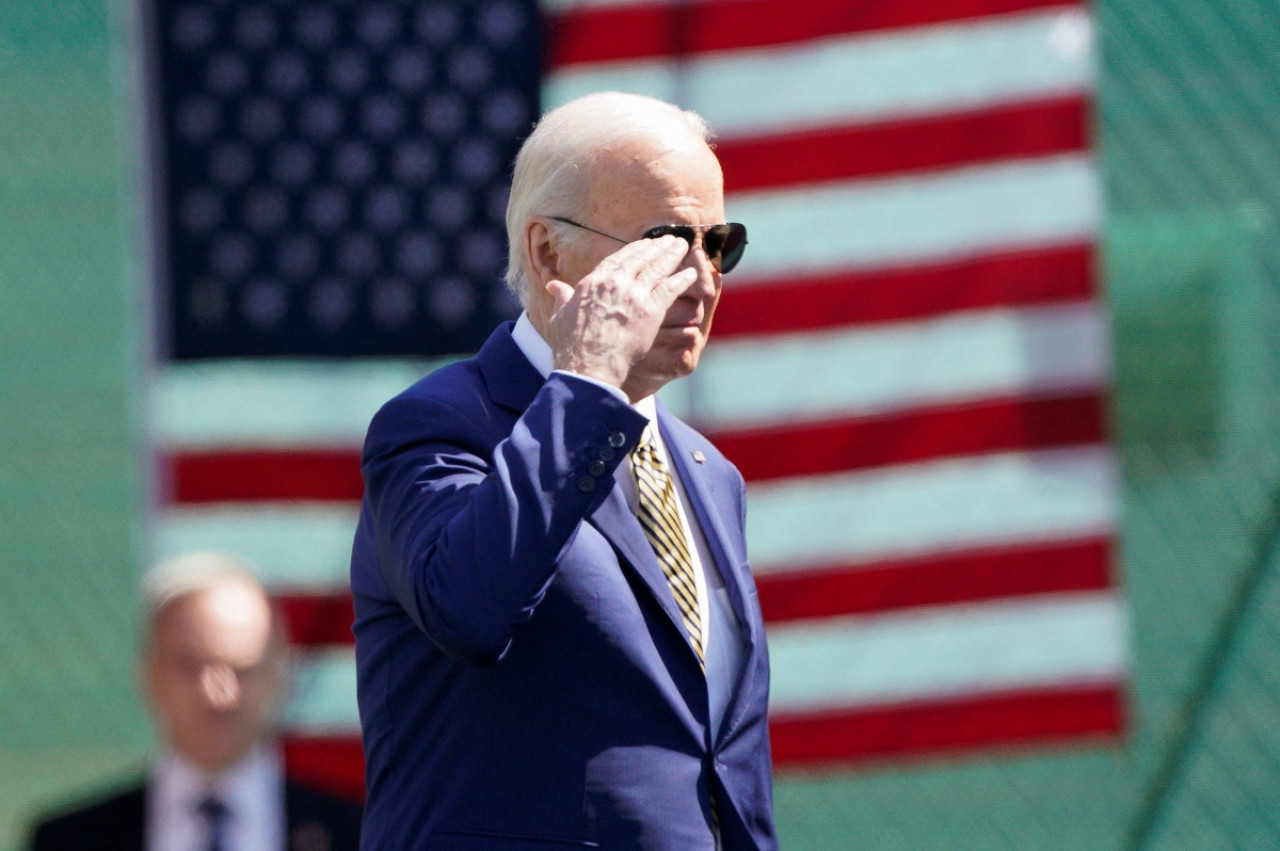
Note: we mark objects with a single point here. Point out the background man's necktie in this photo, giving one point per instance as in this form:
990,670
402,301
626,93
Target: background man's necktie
215,814
660,518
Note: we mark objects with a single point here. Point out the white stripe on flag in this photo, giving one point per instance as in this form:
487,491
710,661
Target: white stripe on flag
947,651
300,545
275,403
956,503
792,523
858,78
968,355
899,221
869,370
323,700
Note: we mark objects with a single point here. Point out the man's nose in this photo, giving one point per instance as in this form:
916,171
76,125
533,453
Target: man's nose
705,285
219,686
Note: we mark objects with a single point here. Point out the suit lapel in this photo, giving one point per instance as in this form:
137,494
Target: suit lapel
131,825
707,514
618,523
513,382
733,571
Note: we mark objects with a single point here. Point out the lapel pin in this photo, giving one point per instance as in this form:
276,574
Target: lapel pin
698,456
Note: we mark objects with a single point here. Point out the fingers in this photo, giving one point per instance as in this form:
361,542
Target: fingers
605,323
653,266
669,288
645,259
641,271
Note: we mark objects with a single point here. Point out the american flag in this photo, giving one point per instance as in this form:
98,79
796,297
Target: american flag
910,366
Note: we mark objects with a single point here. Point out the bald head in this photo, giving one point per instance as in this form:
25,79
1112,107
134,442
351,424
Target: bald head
568,148
213,658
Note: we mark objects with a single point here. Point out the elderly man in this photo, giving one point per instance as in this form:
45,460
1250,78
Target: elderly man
214,671
558,640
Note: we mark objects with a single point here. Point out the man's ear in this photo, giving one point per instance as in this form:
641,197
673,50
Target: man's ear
544,257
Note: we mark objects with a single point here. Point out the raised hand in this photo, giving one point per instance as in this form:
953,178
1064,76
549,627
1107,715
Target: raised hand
603,327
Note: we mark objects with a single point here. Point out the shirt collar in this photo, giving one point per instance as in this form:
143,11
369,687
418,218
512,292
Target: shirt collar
249,786
536,349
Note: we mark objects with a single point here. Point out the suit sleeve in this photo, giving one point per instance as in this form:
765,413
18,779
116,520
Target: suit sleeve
467,531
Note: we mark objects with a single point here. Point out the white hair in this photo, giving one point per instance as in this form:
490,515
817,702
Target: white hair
180,577
554,164
188,574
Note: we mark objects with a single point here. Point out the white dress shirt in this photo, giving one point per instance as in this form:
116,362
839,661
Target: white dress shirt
252,791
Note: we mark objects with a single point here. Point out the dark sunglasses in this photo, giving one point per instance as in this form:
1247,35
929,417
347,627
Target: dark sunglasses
723,243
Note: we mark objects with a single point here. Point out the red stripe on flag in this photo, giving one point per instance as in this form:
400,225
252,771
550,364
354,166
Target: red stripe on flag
334,763
662,30
922,434
939,579
1015,279
320,619
265,475
1015,131
240,475
324,619
841,737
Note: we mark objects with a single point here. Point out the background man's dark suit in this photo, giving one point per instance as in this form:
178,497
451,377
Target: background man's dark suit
314,821
214,665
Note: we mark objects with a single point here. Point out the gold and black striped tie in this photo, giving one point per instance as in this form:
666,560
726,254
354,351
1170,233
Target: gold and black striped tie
661,521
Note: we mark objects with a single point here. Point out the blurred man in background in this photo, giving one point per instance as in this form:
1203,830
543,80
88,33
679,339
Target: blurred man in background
214,674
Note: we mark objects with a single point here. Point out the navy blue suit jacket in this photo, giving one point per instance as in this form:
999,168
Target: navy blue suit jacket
523,679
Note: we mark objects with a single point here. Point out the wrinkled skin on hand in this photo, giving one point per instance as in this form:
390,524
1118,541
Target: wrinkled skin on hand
637,316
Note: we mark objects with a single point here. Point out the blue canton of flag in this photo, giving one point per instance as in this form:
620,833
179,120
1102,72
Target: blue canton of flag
334,175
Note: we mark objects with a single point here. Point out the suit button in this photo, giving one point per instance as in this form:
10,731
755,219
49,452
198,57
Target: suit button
597,468
586,484
617,439
606,453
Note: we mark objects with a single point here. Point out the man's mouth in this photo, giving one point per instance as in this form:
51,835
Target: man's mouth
692,322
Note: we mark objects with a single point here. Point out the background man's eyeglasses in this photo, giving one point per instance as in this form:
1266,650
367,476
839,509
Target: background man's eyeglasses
723,243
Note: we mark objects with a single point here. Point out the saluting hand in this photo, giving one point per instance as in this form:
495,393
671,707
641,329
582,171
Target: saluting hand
605,325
